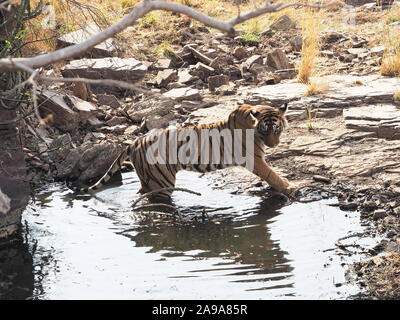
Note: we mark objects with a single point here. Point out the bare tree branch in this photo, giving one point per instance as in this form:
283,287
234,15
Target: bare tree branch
9,64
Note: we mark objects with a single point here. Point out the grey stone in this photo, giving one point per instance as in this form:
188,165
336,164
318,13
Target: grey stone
5,202
185,77
277,59
164,77
159,122
114,121
217,81
108,100
283,23
150,107
53,103
104,49
240,53
128,69
131,130
180,94
296,43
200,56
379,214
163,64
342,92
253,59
87,162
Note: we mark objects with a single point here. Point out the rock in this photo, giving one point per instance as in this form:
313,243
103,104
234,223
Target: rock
199,56
283,23
66,111
278,60
217,81
372,112
87,162
389,129
226,89
166,76
347,57
253,59
180,94
377,51
94,122
131,130
14,180
93,136
185,77
362,125
218,62
108,100
4,203
104,49
163,64
358,51
114,121
128,69
296,43
240,53
379,214
203,71
374,89
382,119
157,122
332,36
149,108
60,147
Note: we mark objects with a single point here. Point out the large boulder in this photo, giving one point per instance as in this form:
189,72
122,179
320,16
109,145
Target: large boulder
87,162
66,110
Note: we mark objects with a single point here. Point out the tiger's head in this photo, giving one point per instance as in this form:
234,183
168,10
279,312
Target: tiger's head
269,123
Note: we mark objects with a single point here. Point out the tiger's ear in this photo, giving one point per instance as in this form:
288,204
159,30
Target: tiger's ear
254,114
283,108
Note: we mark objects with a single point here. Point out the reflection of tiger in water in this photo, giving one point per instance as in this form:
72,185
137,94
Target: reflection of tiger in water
267,124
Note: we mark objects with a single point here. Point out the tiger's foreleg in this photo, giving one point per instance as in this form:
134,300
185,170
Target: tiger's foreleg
267,173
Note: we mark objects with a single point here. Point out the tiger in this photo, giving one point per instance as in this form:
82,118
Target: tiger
266,123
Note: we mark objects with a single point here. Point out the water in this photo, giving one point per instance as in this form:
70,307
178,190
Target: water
85,247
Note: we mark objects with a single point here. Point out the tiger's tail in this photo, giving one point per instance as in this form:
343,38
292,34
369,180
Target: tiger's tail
115,167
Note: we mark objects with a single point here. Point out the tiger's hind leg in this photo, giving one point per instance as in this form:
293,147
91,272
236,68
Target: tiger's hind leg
159,180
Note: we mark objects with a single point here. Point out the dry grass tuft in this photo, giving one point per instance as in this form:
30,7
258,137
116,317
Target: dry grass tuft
390,65
311,27
316,86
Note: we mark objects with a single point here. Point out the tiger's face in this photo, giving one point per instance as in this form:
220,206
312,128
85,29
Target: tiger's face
269,123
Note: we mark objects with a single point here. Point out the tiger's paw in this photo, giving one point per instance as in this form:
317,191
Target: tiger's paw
291,191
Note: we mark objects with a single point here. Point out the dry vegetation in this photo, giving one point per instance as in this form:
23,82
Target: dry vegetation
311,28
316,86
